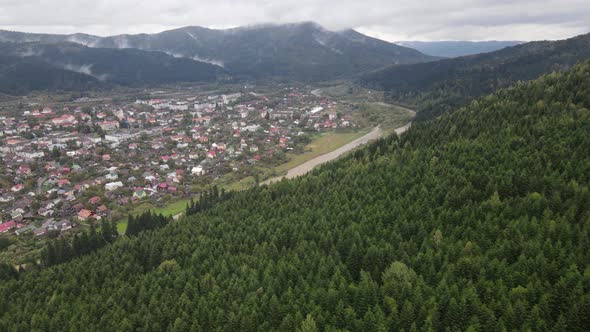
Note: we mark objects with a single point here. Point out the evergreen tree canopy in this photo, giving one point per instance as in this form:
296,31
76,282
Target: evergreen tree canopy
478,220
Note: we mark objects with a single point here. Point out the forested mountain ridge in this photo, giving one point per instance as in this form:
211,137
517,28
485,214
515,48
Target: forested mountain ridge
20,76
478,220
304,51
70,66
440,86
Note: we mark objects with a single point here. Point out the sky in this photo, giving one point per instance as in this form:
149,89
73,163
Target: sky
390,20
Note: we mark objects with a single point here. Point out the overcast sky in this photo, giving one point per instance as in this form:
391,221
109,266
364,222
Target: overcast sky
386,19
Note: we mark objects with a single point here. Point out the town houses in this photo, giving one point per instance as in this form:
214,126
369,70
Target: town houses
67,165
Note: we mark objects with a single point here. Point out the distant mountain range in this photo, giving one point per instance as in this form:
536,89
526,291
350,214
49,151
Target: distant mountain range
302,51
452,49
439,86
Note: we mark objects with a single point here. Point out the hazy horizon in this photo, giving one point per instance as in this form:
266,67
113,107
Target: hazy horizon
361,30
447,20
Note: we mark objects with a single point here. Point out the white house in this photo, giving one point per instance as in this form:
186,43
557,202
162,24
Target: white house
113,185
197,170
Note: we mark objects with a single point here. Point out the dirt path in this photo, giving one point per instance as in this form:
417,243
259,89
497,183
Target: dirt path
310,164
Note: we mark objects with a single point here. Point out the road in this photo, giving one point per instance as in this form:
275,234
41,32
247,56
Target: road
311,164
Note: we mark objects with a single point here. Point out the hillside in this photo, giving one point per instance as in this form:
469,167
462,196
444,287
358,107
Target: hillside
479,220
19,76
303,51
452,49
70,66
437,87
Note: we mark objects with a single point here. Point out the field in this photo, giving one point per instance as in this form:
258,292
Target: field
387,116
322,144
170,209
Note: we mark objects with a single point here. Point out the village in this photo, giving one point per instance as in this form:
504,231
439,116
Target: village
82,162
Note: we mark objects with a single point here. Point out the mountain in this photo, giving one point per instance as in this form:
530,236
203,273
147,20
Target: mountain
303,51
19,76
452,49
478,220
439,86
70,66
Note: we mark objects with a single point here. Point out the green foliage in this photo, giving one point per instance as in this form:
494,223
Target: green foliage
63,250
145,221
5,241
477,221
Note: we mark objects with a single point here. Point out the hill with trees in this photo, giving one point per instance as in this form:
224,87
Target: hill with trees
25,67
301,51
19,76
478,220
440,86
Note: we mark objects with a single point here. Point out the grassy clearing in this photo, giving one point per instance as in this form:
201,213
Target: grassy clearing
122,227
241,184
351,92
321,145
387,116
170,209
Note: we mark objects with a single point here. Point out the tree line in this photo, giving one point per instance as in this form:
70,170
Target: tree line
65,249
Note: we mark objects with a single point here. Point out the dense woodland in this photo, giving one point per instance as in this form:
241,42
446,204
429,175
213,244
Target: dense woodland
74,67
441,86
478,221
21,75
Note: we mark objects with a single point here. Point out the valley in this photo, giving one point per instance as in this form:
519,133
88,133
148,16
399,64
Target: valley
104,157
240,176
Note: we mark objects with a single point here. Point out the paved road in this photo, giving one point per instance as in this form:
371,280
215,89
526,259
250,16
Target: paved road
310,164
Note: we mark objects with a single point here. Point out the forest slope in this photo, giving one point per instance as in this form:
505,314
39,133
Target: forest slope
25,67
440,86
478,220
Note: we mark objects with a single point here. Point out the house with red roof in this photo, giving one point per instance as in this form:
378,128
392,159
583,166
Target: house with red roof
17,187
102,209
23,170
109,125
94,200
64,120
84,214
5,227
63,182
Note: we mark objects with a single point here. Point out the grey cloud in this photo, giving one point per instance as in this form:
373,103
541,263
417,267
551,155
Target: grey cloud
392,20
